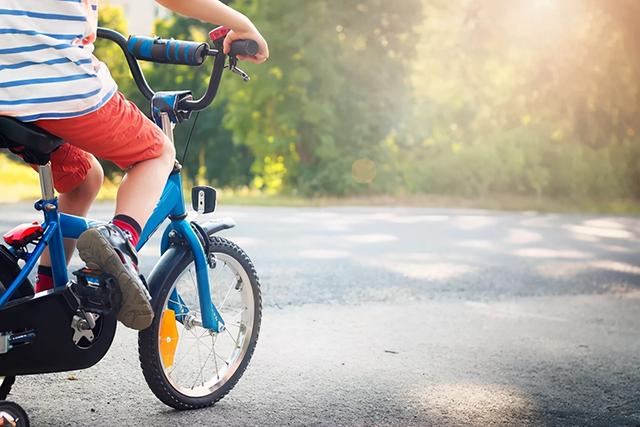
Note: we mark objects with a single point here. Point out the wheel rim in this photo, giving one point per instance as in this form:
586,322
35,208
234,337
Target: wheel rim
202,361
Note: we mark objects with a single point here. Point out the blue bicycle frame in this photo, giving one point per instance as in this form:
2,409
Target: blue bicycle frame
58,226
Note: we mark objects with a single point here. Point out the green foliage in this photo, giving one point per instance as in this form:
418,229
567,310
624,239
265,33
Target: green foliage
515,89
522,97
212,156
331,92
113,17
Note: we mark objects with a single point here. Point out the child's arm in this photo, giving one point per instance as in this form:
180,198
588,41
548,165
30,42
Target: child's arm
215,12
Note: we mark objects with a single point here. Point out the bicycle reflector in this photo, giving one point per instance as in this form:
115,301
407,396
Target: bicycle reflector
24,234
219,33
203,199
168,337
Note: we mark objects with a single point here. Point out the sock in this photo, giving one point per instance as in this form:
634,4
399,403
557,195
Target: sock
44,280
129,225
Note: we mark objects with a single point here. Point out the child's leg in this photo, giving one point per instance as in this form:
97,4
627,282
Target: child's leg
75,201
78,202
119,132
142,187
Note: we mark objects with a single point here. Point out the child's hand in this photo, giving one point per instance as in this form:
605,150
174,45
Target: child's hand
252,34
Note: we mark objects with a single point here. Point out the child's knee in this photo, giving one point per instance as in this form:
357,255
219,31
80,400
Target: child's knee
94,179
168,151
96,174
162,154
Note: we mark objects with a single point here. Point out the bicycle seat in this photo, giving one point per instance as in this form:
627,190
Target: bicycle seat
34,144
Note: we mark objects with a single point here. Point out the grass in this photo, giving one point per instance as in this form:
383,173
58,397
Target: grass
500,202
20,183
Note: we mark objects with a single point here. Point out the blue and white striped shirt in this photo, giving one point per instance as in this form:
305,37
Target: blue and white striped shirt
47,67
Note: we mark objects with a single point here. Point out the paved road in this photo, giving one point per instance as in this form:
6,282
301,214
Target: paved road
378,316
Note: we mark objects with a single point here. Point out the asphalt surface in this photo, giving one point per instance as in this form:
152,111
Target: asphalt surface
379,316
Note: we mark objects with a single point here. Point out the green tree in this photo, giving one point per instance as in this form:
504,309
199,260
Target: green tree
113,17
511,98
213,156
331,93
469,98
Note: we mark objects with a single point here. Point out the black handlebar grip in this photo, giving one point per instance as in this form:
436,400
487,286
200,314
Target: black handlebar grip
167,51
244,48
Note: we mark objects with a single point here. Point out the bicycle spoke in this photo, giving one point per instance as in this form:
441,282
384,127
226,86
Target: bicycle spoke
214,277
223,359
178,303
204,365
233,339
199,362
224,301
238,314
215,360
220,288
180,340
236,324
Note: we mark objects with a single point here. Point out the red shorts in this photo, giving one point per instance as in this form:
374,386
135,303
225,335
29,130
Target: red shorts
117,132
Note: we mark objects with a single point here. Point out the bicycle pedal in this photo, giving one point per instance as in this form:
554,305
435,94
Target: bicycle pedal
87,276
97,292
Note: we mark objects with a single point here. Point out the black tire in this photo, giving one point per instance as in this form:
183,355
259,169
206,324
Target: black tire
16,412
148,339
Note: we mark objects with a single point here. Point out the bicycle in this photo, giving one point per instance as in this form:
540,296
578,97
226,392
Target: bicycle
72,326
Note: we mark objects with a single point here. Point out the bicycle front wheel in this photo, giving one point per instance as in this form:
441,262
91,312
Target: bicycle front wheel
185,365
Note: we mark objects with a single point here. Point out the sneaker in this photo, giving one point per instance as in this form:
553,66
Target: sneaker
106,248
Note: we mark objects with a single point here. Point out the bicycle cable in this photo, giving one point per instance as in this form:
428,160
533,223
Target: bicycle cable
186,148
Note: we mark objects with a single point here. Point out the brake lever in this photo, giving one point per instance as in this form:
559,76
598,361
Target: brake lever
233,67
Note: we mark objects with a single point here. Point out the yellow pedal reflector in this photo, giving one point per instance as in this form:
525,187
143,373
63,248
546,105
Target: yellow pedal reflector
168,337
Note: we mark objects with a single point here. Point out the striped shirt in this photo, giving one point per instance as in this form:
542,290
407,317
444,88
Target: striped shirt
47,67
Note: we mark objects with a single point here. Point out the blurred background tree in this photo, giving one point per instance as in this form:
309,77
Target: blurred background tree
532,97
333,91
525,97
213,157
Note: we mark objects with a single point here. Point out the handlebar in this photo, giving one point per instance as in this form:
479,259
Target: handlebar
177,52
244,48
136,72
168,51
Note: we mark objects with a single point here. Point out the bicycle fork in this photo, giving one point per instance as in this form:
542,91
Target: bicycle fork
211,318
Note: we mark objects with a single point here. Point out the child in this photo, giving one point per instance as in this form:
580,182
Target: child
49,76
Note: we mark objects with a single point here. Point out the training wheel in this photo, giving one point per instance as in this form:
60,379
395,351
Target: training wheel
11,414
